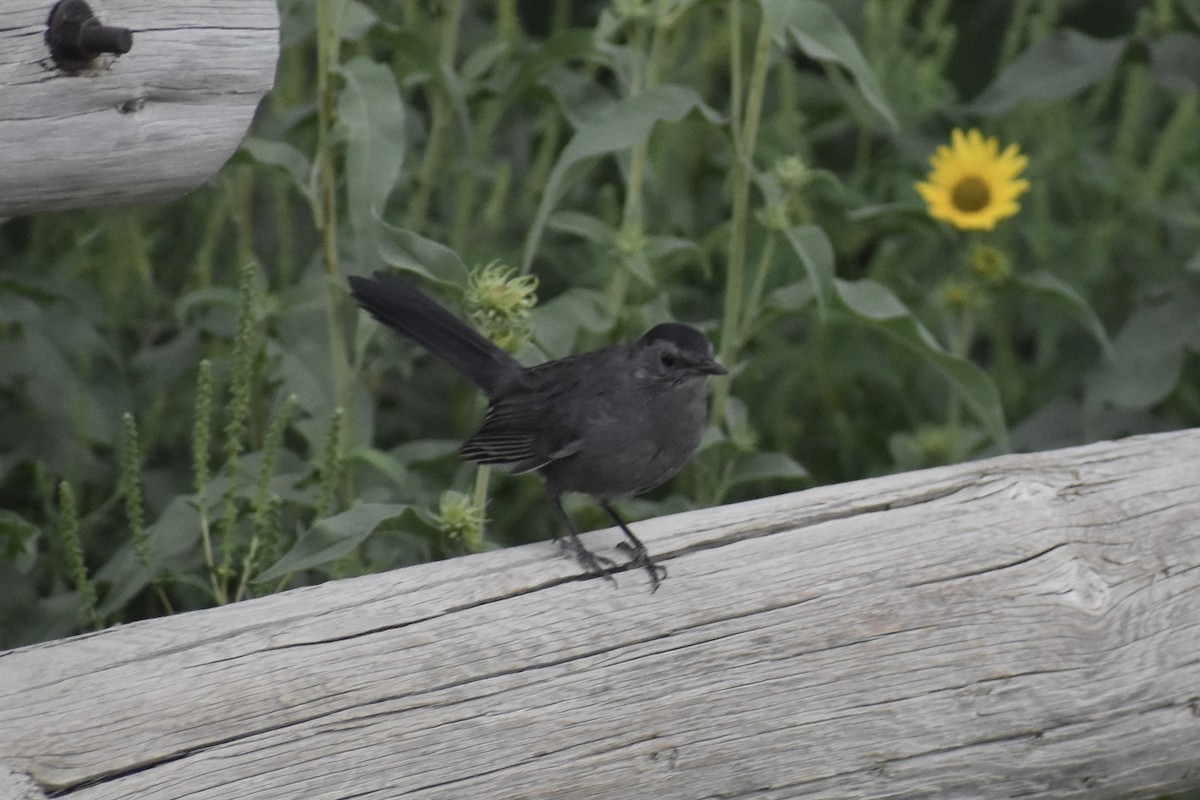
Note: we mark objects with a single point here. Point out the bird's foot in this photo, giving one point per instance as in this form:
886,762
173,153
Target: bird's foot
639,557
591,563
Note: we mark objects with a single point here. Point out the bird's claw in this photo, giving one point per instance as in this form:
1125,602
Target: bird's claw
592,563
638,557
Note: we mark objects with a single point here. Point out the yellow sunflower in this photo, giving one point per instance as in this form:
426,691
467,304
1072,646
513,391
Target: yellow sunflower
973,185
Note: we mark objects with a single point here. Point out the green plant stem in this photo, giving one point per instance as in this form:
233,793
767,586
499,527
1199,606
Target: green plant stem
247,566
328,40
745,134
962,331
482,476
131,490
327,59
202,263
735,67
72,544
439,123
633,213
262,495
243,212
206,539
239,414
618,288
754,300
331,464
201,436
1164,15
467,185
1168,152
632,226
1014,34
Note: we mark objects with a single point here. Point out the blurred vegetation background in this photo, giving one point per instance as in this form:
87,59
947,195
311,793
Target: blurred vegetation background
192,410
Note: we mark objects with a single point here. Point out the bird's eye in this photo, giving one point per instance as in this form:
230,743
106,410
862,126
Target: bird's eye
668,360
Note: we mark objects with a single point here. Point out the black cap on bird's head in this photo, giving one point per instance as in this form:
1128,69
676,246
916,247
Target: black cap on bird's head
679,350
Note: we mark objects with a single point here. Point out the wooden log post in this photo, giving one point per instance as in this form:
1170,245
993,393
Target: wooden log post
1022,626
146,125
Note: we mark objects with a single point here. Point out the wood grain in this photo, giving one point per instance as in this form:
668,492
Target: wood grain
148,125
1023,626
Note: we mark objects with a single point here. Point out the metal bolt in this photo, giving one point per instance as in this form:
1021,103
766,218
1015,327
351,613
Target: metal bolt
75,36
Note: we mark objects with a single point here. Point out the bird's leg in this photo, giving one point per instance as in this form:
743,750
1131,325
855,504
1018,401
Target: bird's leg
639,557
587,559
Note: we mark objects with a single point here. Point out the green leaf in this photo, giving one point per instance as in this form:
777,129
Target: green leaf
423,450
821,36
658,247
876,304
482,61
621,125
290,159
713,435
421,49
816,254
792,297
1064,63
355,20
382,463
563,46
399,247
1052,289
173,537
585,226
557,322
14,308
886,210
18,540
157,367
1147,354
333,537
1193,263
639,266
370,118
766,466
1175,59
200,301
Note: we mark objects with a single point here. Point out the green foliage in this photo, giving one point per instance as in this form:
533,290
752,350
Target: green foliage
237,415
131,490
745,166
72,547
331,463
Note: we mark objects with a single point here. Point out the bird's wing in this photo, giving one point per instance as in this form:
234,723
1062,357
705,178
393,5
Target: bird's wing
523,431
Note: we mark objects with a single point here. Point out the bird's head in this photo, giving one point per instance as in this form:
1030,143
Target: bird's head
675,352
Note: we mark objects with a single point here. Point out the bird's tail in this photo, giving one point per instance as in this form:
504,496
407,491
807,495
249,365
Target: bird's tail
408,311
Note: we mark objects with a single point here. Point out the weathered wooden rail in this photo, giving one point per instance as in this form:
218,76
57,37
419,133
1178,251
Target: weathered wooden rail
145,126
1023,626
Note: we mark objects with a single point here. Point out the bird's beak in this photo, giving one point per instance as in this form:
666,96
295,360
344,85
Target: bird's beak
711,367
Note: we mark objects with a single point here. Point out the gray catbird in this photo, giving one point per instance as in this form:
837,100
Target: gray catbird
611,423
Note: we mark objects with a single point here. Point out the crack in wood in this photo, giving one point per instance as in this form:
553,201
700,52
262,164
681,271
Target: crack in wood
987,569
811,520
63,790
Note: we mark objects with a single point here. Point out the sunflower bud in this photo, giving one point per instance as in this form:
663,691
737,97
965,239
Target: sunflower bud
989,264
792,173
774,217
499,302
628,242
461,521
962,295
